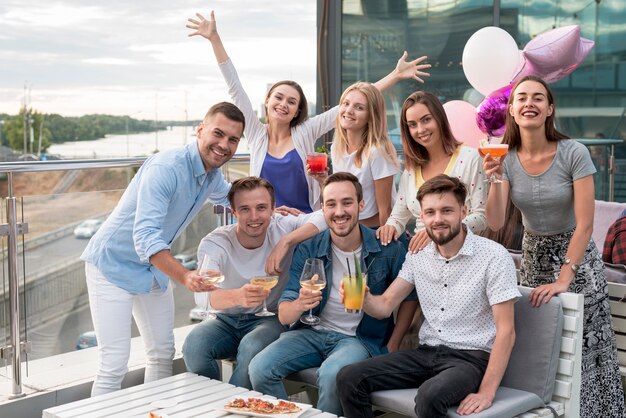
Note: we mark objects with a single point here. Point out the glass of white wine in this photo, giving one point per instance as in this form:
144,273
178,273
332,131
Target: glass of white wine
312,278
266,282
209,274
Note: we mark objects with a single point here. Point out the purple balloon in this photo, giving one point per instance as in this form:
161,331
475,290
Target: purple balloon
554,54
491,112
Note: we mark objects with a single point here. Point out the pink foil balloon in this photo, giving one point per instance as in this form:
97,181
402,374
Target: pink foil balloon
462,118
554,54
491,112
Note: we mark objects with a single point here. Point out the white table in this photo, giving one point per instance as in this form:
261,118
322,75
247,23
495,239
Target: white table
196,396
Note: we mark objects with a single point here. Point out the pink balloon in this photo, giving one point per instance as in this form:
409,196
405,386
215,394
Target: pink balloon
554,54
462,118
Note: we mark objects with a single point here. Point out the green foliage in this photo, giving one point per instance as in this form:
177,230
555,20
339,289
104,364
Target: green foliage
13,132
322,149
57,129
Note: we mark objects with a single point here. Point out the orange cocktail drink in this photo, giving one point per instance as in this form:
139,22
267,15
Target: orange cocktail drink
354,292
495,150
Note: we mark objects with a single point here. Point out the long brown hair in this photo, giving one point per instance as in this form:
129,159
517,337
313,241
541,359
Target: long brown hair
303,108
414,153
374,134
512,134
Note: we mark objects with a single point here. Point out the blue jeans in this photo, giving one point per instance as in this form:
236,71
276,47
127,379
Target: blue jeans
301,349
241,336
444,376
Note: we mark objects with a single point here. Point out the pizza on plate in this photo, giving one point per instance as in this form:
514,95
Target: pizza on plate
262,406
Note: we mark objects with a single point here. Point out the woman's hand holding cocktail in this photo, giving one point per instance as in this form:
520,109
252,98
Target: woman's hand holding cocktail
493,166
319,177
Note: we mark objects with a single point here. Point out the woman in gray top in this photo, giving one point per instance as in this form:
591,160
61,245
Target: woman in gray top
550,179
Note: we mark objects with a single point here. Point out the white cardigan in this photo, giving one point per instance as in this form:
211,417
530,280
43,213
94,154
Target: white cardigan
467,166
303,135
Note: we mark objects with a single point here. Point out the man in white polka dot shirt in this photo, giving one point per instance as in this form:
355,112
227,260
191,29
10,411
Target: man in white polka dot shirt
467,286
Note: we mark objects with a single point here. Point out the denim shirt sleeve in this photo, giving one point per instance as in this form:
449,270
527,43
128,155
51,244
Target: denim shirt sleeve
292,289
156,188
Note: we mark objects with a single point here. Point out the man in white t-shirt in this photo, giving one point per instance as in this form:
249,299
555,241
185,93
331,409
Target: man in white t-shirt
467,287
341,337
255,244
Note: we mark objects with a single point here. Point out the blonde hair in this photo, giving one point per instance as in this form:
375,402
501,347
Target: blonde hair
374,134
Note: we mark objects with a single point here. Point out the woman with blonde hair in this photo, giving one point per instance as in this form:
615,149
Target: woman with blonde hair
431,149
361,147
281,145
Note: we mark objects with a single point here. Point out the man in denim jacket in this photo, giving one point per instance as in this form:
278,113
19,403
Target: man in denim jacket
341,338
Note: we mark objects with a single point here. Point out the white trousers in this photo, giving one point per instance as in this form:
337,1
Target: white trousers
112,310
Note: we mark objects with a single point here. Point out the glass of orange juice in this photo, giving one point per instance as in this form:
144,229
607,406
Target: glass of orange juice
496,151
354,292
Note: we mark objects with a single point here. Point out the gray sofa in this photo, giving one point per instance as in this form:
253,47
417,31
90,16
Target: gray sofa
530,376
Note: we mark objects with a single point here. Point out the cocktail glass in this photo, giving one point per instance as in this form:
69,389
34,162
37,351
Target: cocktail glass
318,162
496,151
267,282
354,292
313,277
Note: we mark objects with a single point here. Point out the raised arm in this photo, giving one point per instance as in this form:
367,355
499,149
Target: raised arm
404,70
208,29
498,194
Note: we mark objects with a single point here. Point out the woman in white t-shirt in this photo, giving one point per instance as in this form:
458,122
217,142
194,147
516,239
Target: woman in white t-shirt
281,145
430,149
361,147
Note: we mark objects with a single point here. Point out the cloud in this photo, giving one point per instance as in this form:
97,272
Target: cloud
113,57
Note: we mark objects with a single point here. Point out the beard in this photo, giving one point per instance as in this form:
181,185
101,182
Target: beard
444,239
346,230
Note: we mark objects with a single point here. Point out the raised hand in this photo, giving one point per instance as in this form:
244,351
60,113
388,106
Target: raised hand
412,69
203,27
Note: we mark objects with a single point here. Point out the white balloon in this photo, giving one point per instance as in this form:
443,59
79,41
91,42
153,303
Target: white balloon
490,58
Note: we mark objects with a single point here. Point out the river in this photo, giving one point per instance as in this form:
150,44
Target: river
133,145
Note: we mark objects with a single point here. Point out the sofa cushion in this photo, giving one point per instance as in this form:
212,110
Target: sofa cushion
507,403
535,356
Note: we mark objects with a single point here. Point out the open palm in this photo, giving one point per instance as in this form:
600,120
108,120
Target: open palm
203,27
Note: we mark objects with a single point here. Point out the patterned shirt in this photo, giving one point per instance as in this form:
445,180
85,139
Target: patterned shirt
456,294
615,244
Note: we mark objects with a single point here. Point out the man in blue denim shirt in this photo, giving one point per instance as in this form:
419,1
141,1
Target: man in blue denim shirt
341,338
128,262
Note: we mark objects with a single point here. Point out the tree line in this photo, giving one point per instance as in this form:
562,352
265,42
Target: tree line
53,128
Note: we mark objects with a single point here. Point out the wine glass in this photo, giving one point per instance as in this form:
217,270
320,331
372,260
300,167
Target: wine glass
312,278
267,282
496,151
209,272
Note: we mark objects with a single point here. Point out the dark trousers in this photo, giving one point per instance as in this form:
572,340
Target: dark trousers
443,375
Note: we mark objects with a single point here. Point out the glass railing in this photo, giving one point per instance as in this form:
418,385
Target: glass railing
63,203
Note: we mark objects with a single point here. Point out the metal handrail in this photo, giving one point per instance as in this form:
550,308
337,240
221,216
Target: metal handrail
14,229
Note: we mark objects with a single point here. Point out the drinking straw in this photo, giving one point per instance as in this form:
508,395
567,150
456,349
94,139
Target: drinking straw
348,261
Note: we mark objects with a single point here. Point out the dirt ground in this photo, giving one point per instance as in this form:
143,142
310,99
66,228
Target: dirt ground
93,192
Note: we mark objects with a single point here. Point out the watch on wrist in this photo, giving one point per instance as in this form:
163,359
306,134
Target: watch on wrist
575,267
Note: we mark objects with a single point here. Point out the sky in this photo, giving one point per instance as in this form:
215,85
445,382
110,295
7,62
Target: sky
134,58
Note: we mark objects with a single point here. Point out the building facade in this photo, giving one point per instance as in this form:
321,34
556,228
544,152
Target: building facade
363,39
